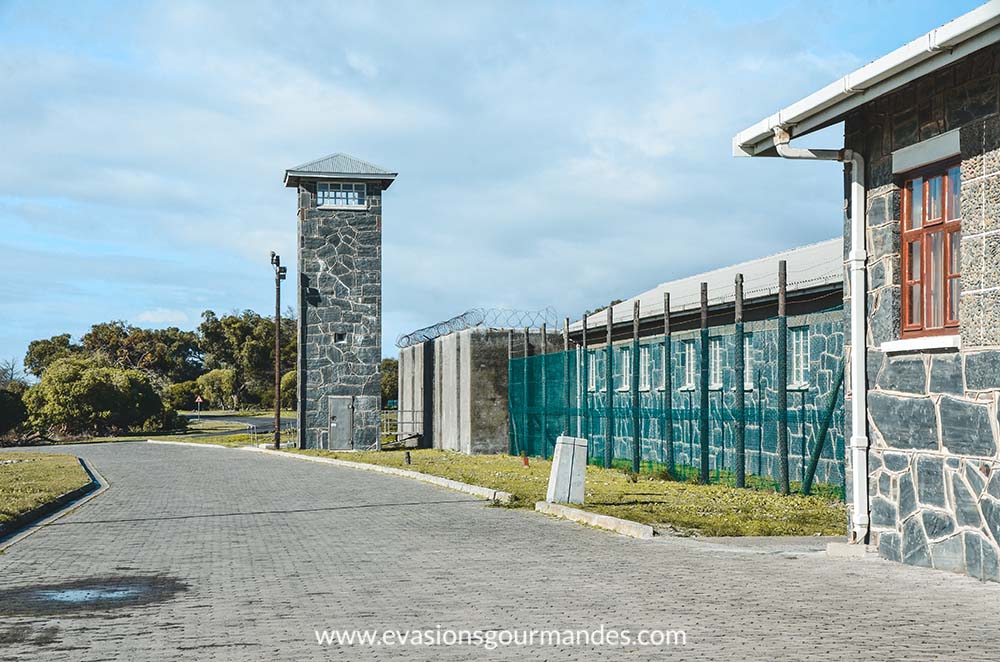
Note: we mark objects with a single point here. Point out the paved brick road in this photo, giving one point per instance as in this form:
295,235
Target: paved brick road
229,555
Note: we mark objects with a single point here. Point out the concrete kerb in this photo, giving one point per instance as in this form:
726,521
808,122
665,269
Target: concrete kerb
498,496
622,526
28,523
185,443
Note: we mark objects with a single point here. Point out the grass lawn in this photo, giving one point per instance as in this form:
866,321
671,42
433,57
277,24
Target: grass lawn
33,479
709,510
193,428
230,440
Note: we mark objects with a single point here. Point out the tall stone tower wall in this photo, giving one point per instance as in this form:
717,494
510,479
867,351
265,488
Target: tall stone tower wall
340,321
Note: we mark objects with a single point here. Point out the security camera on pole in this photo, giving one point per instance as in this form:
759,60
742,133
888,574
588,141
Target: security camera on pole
279,275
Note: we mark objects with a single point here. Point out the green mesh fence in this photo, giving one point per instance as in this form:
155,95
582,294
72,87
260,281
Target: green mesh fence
558,393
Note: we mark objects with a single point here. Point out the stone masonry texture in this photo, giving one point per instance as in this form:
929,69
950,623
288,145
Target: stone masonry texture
933,415
257,575
340,319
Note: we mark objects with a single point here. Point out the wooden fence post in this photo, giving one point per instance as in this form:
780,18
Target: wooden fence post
526,392
567,395
703,382
585,386
545,391
634,387
782,379
668,394
740,392
512,433
609,388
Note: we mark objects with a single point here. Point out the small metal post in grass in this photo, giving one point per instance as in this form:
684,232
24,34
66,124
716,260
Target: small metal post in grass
609,388
782,379
634,387
668,396
740,368
567,396
703,384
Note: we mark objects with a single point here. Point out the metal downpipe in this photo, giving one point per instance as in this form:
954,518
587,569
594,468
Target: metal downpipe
857,258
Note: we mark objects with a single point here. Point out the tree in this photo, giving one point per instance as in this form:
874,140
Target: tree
168,355
244,343
42,353
79,395
390,381
12,411
218,387
181,395
289,390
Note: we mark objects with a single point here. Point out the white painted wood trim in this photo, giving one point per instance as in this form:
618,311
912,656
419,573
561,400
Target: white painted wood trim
920,344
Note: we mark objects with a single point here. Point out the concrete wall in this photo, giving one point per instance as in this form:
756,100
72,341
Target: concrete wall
467,408
340,292
935,491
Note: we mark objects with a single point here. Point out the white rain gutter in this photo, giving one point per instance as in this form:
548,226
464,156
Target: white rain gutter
938,48
856,261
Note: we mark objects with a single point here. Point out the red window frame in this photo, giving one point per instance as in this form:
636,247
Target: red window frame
919,279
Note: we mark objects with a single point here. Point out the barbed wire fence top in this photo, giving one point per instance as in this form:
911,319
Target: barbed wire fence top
491,318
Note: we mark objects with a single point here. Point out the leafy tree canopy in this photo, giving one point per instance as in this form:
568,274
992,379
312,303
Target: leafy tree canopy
80,395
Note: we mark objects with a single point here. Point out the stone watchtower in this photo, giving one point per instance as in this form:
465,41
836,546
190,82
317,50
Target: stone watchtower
340,300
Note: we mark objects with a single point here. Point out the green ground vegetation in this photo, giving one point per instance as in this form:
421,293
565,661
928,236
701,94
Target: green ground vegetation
651,498
29,480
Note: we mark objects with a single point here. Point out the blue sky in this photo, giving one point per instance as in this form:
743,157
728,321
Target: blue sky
550,154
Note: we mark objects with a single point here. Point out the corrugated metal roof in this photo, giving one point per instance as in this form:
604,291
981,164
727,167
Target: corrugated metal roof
813,265
341,164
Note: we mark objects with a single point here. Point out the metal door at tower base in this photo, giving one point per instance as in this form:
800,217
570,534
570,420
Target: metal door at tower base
341,424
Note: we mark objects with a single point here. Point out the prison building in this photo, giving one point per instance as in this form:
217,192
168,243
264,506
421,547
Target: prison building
921,156
340,300
681,386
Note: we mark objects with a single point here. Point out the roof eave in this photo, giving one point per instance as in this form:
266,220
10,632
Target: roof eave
934,50
292,177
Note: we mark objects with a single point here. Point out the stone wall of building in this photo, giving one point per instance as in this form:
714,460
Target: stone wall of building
340,304
935,494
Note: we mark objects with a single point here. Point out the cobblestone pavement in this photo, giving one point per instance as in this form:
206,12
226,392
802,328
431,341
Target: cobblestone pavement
227,555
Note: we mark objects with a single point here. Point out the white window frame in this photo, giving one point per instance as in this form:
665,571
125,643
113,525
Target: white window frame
715,363
626,358
687,366
645,367
748,362
341,194
800,357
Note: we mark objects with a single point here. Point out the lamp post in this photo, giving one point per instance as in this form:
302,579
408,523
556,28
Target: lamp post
279,275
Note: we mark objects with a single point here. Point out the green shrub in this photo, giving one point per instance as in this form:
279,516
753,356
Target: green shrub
181,395
289,390
12,411
218,387
83,396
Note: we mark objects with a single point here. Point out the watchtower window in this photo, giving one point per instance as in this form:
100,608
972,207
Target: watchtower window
340,194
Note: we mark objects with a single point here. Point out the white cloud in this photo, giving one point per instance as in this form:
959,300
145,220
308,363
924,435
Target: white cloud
555,154
163,316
